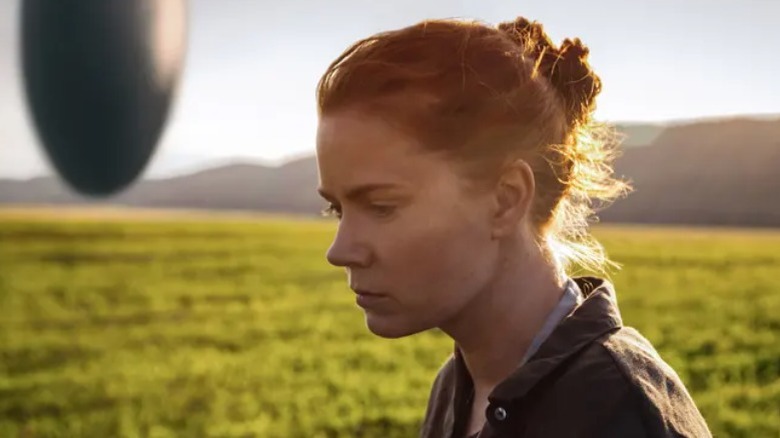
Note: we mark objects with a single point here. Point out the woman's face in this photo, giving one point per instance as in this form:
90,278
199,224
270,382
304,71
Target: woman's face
416,244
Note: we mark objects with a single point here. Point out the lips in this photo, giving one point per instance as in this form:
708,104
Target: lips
367,299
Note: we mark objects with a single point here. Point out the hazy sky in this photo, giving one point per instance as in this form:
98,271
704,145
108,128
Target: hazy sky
252,65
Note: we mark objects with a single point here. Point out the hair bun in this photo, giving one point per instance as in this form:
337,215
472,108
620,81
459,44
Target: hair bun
566,67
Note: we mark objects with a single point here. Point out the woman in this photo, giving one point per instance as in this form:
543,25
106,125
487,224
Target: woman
463,164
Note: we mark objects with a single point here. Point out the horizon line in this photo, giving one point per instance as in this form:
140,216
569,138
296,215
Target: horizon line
210,163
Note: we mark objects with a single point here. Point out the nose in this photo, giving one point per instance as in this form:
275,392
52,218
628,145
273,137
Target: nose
348,249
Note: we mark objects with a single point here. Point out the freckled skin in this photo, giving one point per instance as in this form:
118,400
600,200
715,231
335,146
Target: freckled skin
426,244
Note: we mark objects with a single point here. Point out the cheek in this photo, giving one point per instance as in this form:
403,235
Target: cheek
442,260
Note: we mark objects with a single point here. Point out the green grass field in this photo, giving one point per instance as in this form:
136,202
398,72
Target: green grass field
239,328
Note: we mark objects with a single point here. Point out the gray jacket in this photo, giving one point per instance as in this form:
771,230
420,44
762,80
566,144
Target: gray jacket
592,377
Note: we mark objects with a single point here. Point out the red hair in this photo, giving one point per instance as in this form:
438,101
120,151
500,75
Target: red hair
485,95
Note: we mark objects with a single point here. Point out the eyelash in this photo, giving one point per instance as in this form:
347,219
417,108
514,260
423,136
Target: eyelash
331,210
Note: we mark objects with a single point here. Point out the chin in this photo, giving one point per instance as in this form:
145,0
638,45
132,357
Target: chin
390,328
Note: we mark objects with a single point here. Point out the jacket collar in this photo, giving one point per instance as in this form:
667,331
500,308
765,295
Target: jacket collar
597,315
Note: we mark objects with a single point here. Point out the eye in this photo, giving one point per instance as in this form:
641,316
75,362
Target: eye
382,210
332,210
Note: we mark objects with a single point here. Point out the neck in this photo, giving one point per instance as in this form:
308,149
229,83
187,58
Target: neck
494,331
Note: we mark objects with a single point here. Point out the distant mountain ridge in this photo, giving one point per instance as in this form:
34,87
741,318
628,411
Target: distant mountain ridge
717,172
713,173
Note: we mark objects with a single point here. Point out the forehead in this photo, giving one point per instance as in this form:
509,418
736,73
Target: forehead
357,148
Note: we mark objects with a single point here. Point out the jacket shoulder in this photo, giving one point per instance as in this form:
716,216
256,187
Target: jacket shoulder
666,406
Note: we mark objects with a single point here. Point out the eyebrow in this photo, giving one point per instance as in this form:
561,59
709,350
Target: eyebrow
359,191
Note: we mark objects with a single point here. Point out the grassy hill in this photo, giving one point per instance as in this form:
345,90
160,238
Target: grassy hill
169,326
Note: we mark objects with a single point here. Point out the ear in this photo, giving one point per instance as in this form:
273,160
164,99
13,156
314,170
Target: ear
514,193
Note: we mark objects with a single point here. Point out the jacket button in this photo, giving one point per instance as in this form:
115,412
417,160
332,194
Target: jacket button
499,414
